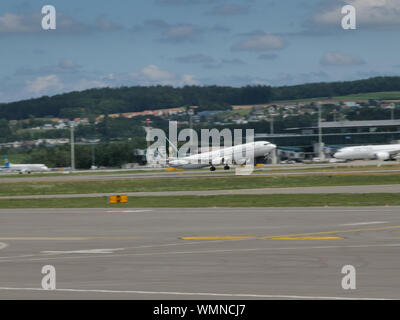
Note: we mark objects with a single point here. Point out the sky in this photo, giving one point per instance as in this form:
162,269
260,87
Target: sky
100,43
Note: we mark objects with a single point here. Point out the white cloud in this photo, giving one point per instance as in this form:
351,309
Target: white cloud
63,66
258,42
43,84
370,13
50,84
338,59
208,61
260,83
14,23
31,22
300,78
189,80
180,31
152,75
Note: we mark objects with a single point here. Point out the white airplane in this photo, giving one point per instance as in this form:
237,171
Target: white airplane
372,152
224,156
23,168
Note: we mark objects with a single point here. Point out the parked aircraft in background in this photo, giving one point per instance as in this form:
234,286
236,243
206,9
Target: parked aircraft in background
224,157
372,152
22,168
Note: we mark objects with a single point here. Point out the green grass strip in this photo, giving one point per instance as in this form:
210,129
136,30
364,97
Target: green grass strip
276,200
190,184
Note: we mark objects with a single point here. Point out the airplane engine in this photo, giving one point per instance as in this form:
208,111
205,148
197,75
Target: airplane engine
178,163
217,161
242,161
228,161
382,156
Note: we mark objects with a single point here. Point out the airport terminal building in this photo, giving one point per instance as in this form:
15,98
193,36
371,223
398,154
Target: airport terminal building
335,135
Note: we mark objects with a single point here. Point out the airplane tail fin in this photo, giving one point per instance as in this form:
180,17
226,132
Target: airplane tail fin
6,162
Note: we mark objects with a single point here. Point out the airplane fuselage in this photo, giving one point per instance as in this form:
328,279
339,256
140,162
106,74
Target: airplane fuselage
237,154
382,152
27,168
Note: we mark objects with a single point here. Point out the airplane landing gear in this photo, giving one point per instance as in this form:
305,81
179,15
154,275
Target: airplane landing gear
213,168
226,167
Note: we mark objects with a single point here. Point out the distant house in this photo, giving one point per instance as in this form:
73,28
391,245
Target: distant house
240,121
60,126
351,104
48,126
271,110
83,121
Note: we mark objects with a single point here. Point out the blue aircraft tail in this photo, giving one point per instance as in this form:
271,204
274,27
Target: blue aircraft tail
6,162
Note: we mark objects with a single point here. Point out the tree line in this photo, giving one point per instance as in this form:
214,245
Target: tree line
93,102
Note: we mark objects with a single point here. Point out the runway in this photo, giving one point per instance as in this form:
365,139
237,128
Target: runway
361,189
266,253
186,174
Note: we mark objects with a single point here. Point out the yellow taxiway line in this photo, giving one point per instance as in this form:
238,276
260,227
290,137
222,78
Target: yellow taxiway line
331,232
299,236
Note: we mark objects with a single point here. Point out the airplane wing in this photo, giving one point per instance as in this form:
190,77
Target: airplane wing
386,154
394,152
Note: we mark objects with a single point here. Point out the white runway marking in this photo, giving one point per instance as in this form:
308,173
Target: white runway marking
363,223
200,252
128,211
3,245
127,248
210,294
45,238
84,251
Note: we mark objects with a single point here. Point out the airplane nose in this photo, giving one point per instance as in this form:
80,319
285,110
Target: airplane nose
338,155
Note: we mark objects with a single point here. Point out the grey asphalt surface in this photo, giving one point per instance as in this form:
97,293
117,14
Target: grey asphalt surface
139,254
395,188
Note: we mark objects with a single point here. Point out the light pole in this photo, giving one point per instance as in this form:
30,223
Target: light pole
93,156
72,146
147,128
391,107
272,124
319,132
334,114
190,113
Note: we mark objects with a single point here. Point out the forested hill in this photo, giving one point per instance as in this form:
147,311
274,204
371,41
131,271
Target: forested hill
131,99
